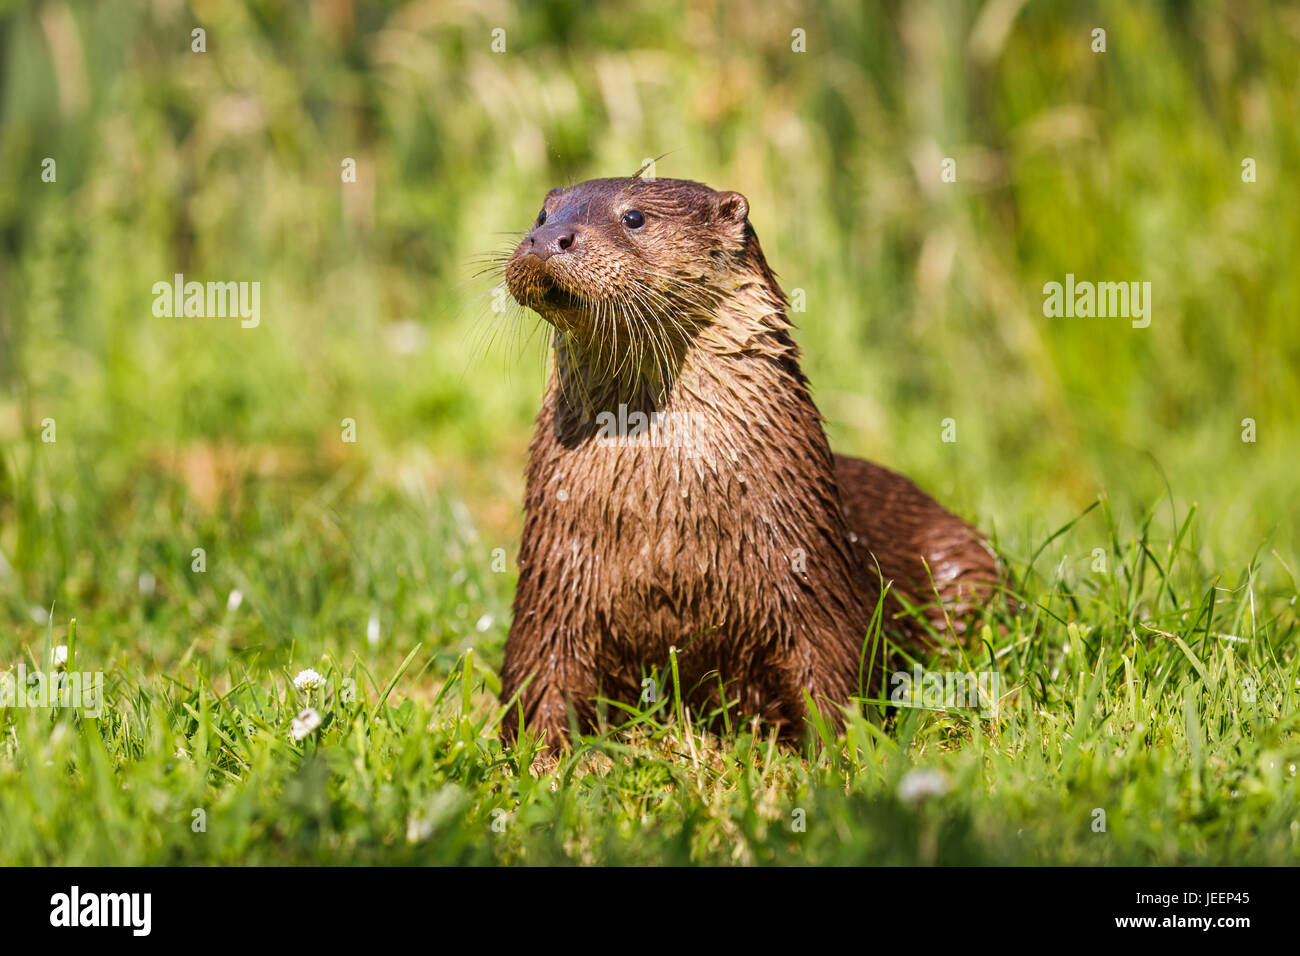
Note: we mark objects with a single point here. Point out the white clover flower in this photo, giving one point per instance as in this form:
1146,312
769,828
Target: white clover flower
59,657
304,723
308,680
235,599
418,829
918,785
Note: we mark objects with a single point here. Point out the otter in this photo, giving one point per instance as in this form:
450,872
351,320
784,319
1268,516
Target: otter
680,489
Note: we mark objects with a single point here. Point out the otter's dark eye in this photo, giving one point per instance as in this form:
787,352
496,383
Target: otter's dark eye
541,218
633,219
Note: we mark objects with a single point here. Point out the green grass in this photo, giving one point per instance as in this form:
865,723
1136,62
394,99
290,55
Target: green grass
1155,692
1161,690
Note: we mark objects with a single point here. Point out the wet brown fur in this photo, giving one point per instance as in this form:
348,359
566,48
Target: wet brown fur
751,548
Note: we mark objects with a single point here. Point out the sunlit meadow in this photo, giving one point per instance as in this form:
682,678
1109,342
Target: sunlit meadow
339,488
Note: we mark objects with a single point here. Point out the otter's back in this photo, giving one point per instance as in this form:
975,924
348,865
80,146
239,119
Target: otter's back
900,528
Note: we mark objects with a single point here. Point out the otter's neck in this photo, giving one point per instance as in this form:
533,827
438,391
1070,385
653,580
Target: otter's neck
739,465
747,329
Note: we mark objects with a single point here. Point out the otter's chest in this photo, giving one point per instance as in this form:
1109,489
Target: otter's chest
655,539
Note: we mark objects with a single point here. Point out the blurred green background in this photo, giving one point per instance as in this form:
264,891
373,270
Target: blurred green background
924,298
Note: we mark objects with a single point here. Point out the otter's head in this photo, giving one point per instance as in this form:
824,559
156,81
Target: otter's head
614,256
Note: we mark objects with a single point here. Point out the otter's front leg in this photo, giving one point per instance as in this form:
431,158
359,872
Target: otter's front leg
824,674
557,673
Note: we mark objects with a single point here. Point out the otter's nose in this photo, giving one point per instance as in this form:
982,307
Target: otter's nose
552,240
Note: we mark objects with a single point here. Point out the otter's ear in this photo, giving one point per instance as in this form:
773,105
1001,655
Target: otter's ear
732,206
